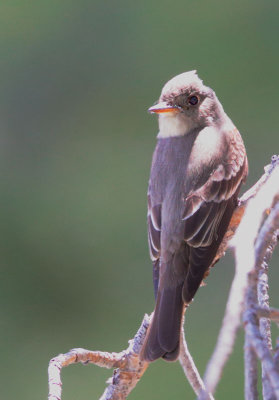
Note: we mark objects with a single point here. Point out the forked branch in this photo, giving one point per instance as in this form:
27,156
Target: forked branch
263,197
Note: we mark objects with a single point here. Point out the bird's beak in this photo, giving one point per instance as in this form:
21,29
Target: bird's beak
162,107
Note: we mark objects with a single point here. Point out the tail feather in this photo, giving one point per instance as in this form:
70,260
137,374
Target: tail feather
163,335
172,355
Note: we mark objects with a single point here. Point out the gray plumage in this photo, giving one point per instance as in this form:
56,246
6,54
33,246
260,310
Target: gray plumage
197,169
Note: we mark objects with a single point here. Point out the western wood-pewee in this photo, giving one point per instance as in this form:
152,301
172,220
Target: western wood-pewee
197,169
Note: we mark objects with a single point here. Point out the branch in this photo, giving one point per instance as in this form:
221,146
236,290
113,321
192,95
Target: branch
130,368
189,367
269,241
243,243
258,333
250,357
270,313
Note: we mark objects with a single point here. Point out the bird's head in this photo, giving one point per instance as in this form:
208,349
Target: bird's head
185,104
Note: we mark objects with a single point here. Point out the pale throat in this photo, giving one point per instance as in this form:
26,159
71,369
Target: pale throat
172,124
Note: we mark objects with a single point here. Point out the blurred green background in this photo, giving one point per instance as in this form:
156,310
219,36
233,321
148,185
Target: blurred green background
77,78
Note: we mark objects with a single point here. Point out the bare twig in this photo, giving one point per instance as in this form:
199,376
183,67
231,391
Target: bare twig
250,357
129,366
251,373
276,355
243,243
189,368
263,301
264,246
270,313
264,355
258,341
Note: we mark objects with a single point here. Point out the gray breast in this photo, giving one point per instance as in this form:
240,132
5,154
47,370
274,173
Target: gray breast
169,184
169,166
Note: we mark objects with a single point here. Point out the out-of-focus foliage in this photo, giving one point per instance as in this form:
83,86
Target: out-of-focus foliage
76,143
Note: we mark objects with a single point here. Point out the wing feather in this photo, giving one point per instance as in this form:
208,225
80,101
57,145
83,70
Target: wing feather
207,209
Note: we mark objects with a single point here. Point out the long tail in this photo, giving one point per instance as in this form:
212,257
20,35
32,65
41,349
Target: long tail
162,338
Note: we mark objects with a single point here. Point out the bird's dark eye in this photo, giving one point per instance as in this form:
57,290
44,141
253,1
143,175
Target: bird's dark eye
193,100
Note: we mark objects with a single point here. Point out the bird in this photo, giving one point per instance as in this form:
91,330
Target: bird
198,167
